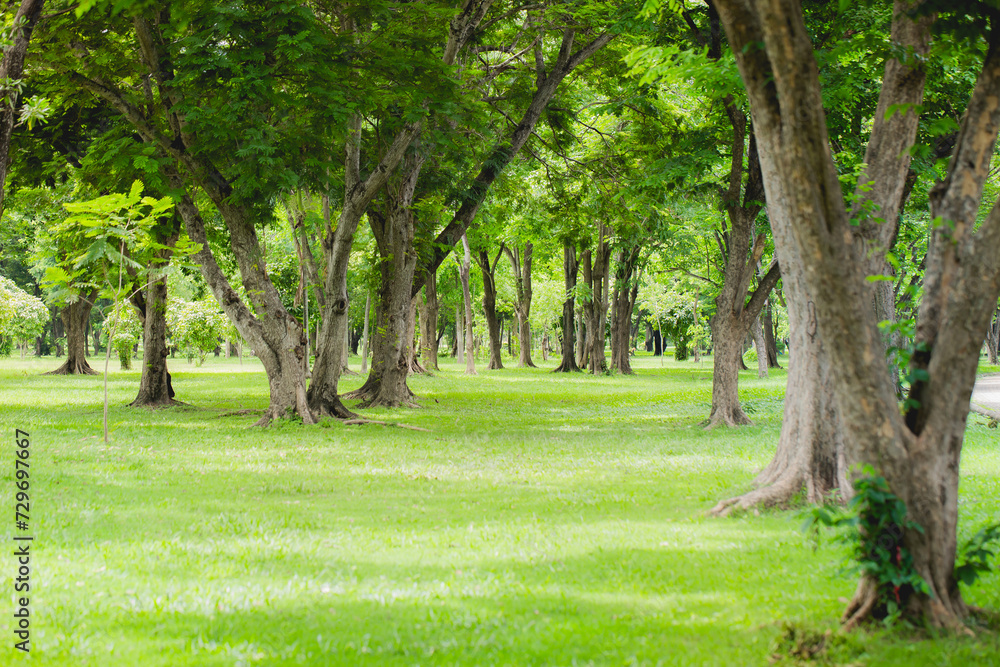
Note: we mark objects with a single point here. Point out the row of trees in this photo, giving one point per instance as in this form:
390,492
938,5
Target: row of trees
750,164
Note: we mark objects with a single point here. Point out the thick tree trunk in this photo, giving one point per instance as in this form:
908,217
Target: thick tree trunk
917,453
570,266
155,387
623,304
810,449
649,336
596,361
75,318
12,67
276,337
429,323
364,335
394,232
413,345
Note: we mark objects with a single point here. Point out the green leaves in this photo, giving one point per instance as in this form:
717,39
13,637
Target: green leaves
974,556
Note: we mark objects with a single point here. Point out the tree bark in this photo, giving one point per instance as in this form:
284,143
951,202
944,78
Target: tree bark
470,352
917,452
155,386
521,265
391,345
570,267
12,67
623,304
760,347
767,320
489,269
364,336
429,323
75,318
809,454
993,338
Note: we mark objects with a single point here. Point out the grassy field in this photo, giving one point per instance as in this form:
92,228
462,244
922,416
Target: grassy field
542,520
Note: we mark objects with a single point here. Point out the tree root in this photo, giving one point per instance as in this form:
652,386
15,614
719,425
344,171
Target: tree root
985,412
773,495
78,368
728,418
359,422
155,405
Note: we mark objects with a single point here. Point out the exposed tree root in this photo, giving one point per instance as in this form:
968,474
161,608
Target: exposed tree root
773,495
567,367
732,417
359,422
79,367
240,413
985,412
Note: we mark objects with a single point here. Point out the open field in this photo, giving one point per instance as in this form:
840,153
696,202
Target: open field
543,520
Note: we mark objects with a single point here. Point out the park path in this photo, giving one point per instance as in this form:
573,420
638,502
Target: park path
987,392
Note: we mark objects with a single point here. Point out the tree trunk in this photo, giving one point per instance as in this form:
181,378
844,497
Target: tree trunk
993,338
649,336
623,304
767,320
760,347
394,232
570,266
12,67
155,387
364,336
490,306
521,266
75,317
460,333
429,323
596,361
470,352
916,452
810,449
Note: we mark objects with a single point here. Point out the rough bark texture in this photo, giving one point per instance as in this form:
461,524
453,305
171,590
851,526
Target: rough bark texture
520,263
742,247
809,454
358,194
570,266
918,453
155,386
622,307
489,270
75,318
12,67
393,337
596,310
429,324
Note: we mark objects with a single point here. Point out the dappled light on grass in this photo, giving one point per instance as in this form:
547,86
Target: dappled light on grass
543,520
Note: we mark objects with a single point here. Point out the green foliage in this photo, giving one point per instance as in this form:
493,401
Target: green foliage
876,523
127,334
974,556
196,327
97,245
22,316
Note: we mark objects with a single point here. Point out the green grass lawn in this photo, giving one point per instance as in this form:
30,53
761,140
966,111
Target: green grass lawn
542,520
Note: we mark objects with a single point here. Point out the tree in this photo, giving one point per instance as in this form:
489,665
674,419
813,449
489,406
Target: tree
11,69
22,316
196,327
810,448
127,333
915,449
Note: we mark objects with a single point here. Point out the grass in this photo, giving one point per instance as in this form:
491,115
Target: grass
543,520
